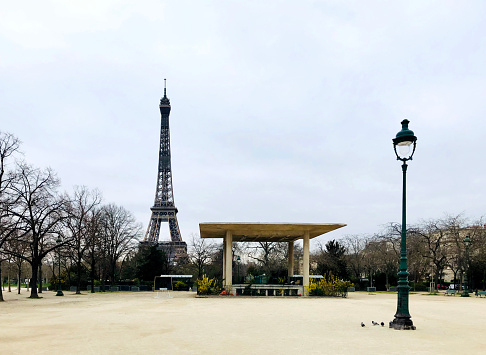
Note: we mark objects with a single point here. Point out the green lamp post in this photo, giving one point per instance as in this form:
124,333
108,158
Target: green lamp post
404,145
238,265
59,289
465,287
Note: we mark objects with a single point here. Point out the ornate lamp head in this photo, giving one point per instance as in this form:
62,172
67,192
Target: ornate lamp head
405,140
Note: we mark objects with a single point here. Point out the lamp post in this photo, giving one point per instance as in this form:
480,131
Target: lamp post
238,264
59,290
405,140
465,291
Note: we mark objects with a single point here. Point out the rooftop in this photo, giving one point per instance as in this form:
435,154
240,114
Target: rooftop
268,232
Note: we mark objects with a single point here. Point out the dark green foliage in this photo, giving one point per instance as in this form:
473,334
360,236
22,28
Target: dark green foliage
380,281
180,286
150,262
419,286
332,260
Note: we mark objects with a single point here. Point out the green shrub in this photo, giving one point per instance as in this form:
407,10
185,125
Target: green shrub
180,285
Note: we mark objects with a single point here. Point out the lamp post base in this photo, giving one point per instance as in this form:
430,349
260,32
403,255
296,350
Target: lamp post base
402,323
59,293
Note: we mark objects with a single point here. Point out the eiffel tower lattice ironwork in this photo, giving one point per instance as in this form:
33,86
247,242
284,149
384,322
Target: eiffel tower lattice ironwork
164,209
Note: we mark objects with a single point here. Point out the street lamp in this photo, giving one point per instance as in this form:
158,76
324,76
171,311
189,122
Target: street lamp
467,244
238,264
59,290
405,141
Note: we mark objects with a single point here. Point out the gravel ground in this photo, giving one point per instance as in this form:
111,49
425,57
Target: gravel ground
136,323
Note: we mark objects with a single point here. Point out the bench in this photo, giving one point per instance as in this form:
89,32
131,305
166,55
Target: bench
481,293
450,292
163,292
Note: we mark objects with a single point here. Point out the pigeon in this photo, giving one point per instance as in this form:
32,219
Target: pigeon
382,324
374,323
362,324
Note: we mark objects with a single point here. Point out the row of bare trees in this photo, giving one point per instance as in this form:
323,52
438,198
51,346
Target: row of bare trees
37,220
434,247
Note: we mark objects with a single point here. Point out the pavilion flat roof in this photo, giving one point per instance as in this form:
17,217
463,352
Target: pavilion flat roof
266,232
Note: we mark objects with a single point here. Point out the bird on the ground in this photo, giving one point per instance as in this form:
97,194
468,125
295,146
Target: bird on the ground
374,323
362,324
382,324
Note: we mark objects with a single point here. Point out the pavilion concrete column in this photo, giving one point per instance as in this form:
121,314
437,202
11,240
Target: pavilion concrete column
228,255
224,259
306,262
291,259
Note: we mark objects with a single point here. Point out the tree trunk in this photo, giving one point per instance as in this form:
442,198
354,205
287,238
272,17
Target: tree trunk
33,280
1,280
78,278
68,273
103,277
113,282
8,278
40,277
55,277
199,269
93,265
19,283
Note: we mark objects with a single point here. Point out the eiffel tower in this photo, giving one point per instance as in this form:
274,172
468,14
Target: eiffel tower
164,209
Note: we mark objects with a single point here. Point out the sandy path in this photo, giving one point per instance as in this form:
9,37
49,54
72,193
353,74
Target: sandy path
139,323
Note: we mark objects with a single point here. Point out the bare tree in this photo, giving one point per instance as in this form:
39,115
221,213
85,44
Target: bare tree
418,266
270,256
355,244
477,233
9,145
388,259
120,234
80,206
201,251
434,236
453,227
39,212
94,249
94,241
17,249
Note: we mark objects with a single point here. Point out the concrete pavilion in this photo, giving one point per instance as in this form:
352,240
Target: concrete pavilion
264,232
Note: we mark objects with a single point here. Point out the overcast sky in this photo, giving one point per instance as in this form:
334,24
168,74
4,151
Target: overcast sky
282,111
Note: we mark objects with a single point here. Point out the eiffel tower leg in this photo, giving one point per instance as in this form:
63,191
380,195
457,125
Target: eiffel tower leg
175,234
152,234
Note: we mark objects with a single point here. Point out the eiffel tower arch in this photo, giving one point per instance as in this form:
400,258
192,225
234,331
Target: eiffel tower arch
164,210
